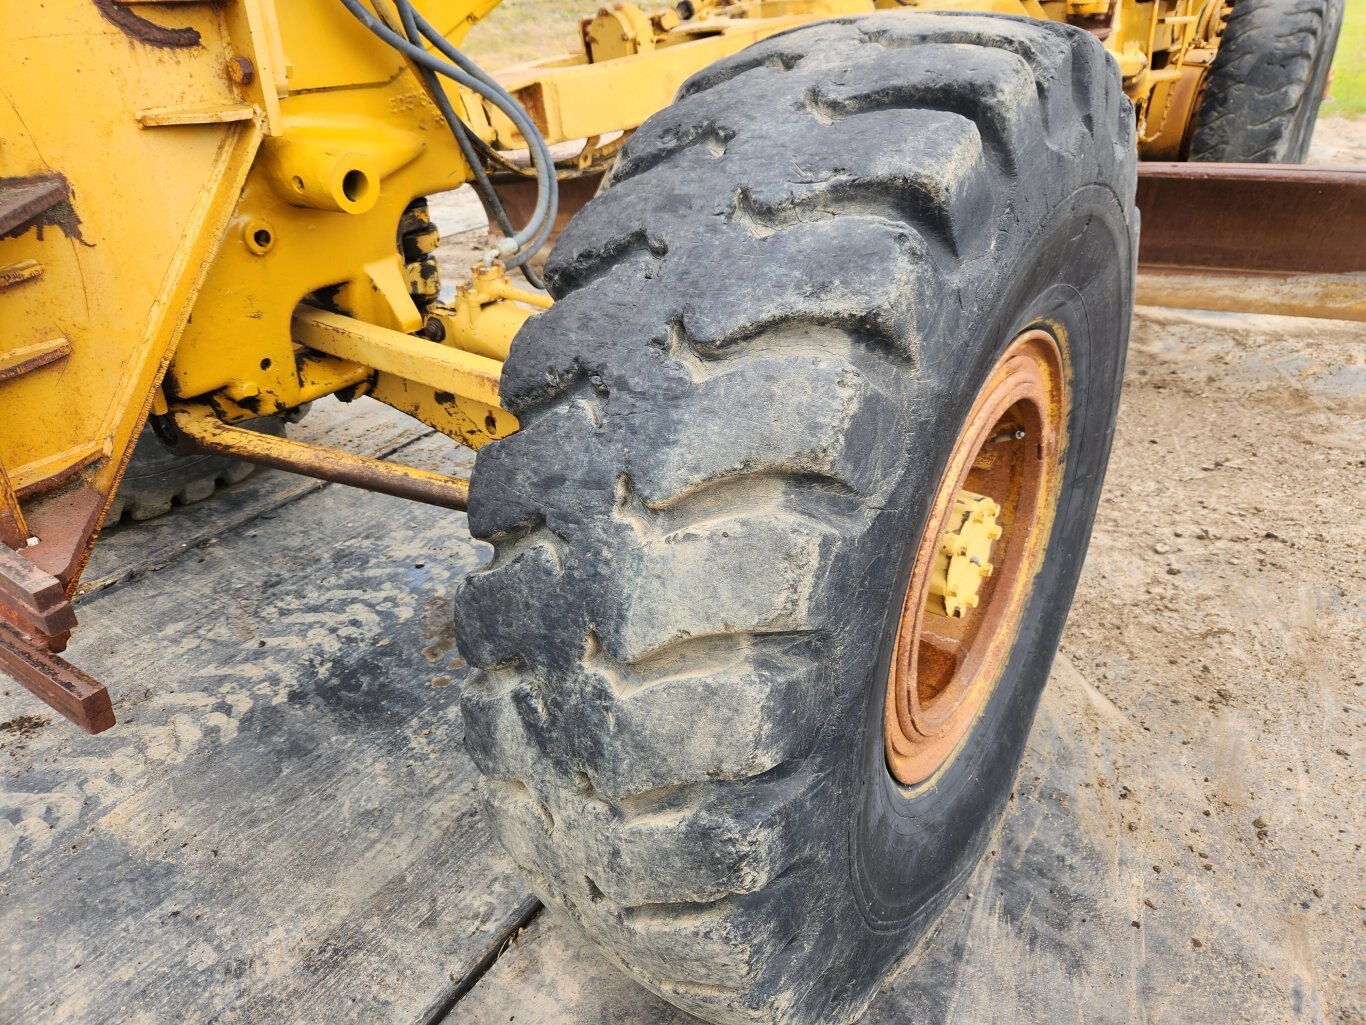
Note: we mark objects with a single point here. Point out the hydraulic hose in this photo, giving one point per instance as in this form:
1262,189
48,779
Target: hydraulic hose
521,245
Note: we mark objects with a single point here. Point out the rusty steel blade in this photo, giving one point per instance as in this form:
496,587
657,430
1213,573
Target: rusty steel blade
1252,218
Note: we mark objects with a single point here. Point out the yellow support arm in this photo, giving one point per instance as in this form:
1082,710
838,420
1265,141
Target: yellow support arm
406,356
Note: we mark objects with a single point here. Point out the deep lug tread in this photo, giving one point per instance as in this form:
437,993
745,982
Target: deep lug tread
670,668
1261,100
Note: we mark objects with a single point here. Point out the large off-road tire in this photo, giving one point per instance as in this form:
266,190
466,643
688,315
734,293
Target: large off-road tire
736,421
1262,98
157,478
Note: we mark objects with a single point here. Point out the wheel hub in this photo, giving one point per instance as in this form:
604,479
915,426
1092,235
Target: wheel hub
982,546
964,559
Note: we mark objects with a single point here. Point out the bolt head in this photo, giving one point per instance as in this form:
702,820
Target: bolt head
241,70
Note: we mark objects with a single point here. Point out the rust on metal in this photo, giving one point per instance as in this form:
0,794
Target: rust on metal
65,523
945,667
18,362
241,70
25,200
13,527
518,196
200,426
1329,296
139,28
80,698
18,273
1252,219
33,600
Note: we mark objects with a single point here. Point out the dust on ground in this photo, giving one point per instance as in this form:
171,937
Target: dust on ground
1340,141
24,725
1222,602
1222,611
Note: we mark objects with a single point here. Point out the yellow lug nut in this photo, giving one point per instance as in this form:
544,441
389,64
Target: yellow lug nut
963,563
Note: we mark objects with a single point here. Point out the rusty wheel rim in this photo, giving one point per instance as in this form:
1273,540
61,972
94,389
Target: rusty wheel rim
944,668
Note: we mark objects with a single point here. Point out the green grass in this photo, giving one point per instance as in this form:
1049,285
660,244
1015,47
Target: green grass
1348,95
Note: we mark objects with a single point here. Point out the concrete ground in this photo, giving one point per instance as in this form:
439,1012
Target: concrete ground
284,828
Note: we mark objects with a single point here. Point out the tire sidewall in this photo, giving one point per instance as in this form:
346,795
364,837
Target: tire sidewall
1307,117
909,848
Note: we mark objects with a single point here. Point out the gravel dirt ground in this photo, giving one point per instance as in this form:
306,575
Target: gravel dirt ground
284,827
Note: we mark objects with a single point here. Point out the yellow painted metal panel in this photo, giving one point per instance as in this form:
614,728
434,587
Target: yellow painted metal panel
145,205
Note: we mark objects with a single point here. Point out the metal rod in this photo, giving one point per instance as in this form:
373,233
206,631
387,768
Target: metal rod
32,599
208,433
392,352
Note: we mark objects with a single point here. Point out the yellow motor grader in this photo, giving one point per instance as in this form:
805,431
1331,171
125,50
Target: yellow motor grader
789,450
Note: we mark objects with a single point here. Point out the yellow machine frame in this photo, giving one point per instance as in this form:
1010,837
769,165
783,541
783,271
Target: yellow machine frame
210,175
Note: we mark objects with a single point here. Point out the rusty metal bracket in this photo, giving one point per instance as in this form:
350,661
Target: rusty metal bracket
201,426
36,618
77,696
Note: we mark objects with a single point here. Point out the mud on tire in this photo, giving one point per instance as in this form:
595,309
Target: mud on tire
767,331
